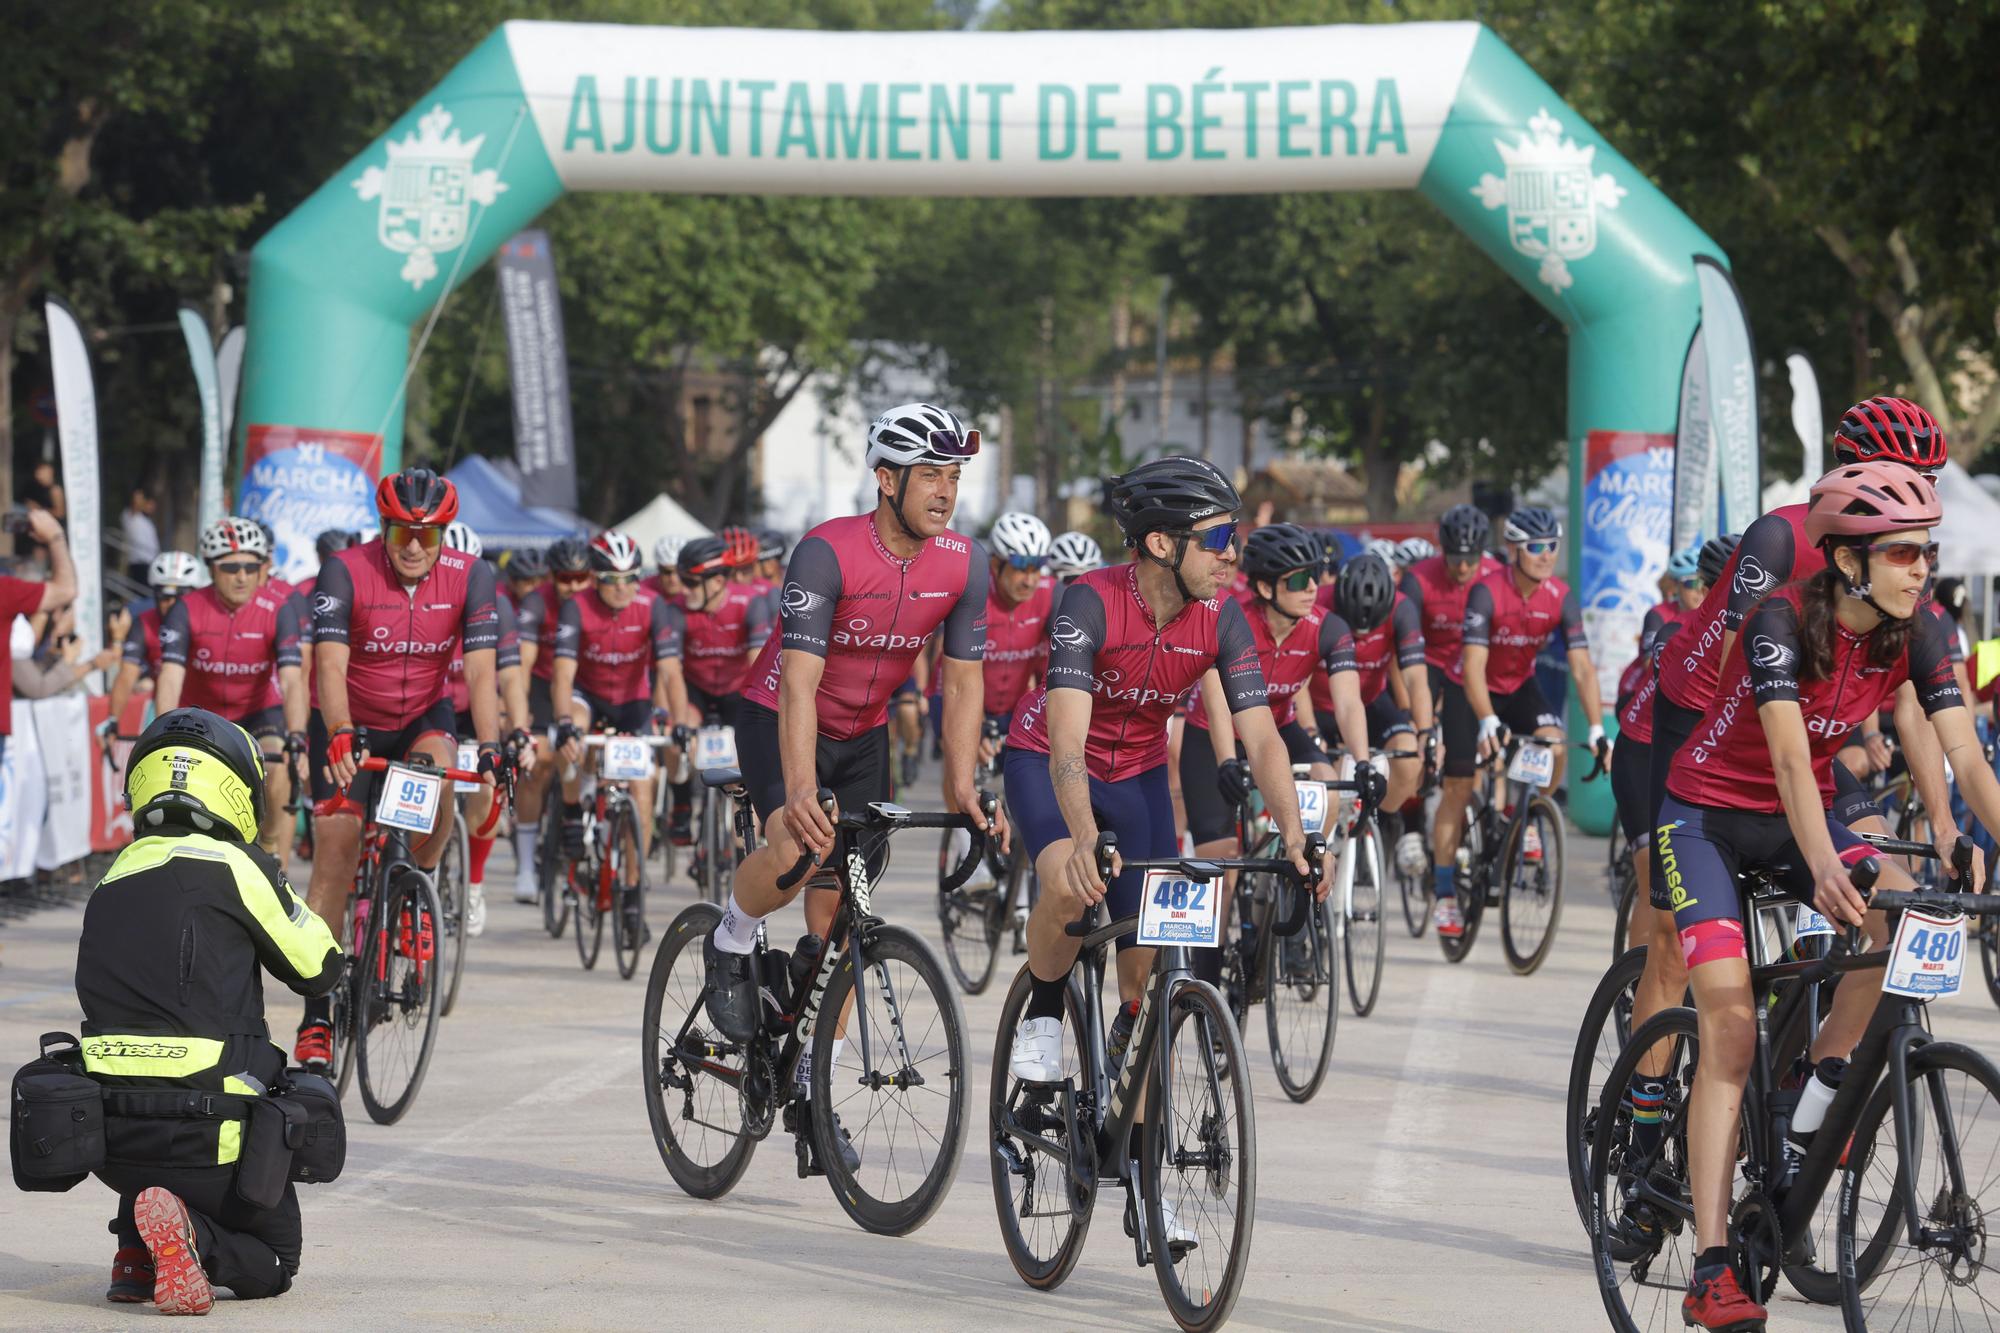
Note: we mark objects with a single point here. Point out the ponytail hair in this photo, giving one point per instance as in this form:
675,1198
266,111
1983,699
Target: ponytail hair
1818,597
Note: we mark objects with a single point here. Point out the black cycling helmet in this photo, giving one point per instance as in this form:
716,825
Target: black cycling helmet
703,556
1464,530
198,770
1364,592
771,544
1532,523
1277,549
569,555
333,539
1715,553
1168,495
527,565
416,495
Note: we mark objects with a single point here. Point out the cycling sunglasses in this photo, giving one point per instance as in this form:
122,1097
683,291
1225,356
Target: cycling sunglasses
572,580
1216,539
1540,546
239,567
1904,554
949,444
402,534
617,578
1298,580
1026,562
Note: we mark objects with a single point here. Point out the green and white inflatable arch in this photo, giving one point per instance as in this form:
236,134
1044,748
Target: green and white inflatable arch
538,108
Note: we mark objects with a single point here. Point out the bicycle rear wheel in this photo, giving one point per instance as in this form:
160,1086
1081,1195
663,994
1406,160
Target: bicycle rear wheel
1607,1022
1044,1213
581,890
693,1082
452,897
1201,1161
1886,1282
903,1098
400,998
1301,997
966,920
1416,894
1472,886
1531,885
549,868
346,1009
1624,892
628,909
720,871
1361,938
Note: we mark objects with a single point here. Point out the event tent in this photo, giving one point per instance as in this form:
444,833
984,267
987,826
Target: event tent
489,499
1969,537
661,517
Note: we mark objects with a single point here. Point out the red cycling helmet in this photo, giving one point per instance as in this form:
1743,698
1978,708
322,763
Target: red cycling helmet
1894,429
417,495
742,545
1867,499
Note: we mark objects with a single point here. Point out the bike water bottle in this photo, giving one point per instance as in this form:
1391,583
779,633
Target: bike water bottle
804,962
1810,1114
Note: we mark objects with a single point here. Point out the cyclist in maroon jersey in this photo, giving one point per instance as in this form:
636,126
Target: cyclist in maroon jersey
666,581
388,617
233,648
721,631
1439,585
171,575
1018,599
1754,786
1088,752
617,667
1509,615
771,547
861,595
1388,649
568,563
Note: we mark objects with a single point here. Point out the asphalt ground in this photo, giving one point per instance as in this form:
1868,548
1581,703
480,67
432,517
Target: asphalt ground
1424,1187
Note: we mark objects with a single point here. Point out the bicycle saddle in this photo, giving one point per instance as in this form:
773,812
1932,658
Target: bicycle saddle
721,777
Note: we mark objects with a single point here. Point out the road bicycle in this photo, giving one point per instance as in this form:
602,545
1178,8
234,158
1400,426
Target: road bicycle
891,1063
386,1007
1053,1145
713,863
973,921
609,878
1511,856
1913,1131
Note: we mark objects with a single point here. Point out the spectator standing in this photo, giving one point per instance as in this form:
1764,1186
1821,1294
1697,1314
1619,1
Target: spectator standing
20,597
142,539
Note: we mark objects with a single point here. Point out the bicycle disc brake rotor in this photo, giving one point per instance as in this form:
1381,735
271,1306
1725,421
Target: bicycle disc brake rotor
1961,1258
760,1075
1755,1245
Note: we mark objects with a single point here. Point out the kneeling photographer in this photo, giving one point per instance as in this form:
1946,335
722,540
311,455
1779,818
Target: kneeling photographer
203,1130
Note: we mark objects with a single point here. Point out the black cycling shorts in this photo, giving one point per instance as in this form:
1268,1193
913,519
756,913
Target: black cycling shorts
541,707
1209,817
715,709
263,722
1522,712
437,720
856,770
1632,786
1386,719
631,718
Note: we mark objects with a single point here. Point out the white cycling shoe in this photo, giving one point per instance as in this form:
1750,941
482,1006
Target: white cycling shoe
1037,1055
1450,922
1180,1237
1410,858
475,911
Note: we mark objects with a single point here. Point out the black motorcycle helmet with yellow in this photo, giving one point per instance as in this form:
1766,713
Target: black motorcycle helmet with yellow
197,770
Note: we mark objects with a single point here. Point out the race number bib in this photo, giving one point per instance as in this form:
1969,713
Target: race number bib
1312,806
1174,909
468,760
1533,764
1810,925
1928,957
409,799
625,759
715,747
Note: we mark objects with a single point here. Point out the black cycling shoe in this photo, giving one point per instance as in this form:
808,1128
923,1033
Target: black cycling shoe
572,838
850,1156
732,991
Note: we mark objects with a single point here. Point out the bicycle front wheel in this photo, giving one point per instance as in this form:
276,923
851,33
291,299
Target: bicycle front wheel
581,890
1886,1281
1201,1162
894,1094
452,897
1416,893
1531,885
400,998
628,893
692,1078
720,879
1607,1022
1044,1212
1302,997
1361,938
966,920
549,872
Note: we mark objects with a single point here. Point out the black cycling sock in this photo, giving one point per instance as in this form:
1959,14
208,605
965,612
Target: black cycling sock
1711,1261
573,810
684,793
1045,998
1646,1094
319,1009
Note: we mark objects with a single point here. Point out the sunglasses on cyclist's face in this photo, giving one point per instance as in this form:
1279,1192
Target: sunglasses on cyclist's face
1298,580
238,567
1026,562
1540,546
616,579
1215,540
948,444
402,534
572,580
1904,554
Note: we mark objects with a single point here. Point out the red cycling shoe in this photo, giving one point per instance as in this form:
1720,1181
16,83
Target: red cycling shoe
131,1276
1719,1305
314,1048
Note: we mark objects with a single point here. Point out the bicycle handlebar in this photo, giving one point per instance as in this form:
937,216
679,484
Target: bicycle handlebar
882,816
1211,868
421,765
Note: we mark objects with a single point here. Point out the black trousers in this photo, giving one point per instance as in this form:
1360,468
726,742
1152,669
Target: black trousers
252,1251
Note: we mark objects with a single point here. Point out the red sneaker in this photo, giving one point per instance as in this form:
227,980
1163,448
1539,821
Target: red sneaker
131,1276
179,1284
314,1048
1719,1305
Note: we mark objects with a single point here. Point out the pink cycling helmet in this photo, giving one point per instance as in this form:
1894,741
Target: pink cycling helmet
1867,499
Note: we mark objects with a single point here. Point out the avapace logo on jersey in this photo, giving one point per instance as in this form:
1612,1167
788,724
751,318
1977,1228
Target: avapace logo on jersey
857,633
596,652
380,642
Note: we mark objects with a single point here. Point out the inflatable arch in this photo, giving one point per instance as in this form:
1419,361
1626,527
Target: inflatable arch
538,108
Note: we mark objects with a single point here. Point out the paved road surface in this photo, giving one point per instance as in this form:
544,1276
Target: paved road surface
1423,1189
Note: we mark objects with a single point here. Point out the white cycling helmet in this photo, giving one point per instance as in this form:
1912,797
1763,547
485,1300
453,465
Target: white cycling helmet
918,433
228,536
459,536
612,552
1414,549
175,569
1074,553
667,552
1385,548
1019,534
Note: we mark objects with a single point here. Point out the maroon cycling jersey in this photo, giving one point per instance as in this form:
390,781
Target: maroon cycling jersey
536,617
614,651
1319,642
142,641
1441,606
716,643
1773,551
1512,627
1017,648
1103,640
401,640
1726,761
1401,637
509,655
868,612
231,657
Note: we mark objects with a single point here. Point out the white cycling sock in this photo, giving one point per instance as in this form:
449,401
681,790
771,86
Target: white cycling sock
525,838
737,931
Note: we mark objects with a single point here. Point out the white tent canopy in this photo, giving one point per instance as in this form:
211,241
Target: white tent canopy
662,517
1969,537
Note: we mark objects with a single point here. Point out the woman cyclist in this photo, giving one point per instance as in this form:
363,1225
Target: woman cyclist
1755,790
